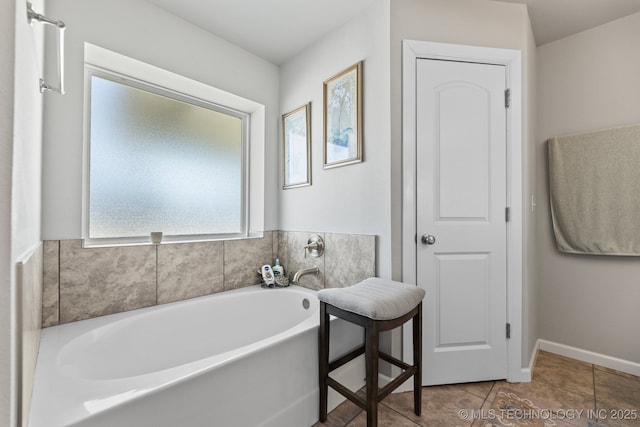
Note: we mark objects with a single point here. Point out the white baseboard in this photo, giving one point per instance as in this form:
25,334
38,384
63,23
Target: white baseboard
383,380
526,373
590,357
525,376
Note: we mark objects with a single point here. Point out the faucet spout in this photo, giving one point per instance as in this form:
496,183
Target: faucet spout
305,271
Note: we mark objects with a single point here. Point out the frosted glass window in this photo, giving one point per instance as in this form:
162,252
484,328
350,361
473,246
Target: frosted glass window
159,161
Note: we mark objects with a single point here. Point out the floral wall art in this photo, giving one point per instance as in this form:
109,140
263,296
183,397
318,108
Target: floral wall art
296,131
343,118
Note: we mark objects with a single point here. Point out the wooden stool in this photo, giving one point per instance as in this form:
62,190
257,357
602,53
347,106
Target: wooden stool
377,305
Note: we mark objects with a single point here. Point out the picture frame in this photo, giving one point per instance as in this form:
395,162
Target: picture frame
342,96
296,140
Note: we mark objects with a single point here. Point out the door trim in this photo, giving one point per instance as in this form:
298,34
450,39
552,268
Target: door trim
412,50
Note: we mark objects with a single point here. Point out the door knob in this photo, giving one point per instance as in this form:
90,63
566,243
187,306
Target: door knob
428,239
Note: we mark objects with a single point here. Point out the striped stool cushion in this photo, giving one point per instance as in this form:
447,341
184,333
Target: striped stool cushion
375,298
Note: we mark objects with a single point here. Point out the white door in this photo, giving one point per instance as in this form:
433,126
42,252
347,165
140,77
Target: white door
461,225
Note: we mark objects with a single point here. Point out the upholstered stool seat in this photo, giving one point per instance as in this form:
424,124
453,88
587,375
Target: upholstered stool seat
377,305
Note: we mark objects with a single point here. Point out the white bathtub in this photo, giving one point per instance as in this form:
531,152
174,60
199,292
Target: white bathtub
240,358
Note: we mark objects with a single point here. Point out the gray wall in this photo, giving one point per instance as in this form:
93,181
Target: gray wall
586,82
7,50
530,303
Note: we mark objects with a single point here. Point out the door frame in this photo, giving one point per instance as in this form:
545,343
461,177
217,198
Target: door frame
412,50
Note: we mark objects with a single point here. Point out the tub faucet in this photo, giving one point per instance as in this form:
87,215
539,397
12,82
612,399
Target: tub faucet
305,271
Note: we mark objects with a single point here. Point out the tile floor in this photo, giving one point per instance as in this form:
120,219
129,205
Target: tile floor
563,392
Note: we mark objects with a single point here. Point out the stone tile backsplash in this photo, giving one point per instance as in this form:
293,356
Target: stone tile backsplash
51,283
99,281
243,259
349,259
29,277
292,258
81,283
189,270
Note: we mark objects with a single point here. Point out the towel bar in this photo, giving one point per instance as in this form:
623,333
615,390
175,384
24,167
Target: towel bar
59,25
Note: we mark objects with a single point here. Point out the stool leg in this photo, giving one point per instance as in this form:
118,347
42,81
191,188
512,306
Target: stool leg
323,359
417,361
371,363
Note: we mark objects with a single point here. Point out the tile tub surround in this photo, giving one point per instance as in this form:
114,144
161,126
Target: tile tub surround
81,283
189,270
50,283
98,281
291,255
243,259
29,276
347,258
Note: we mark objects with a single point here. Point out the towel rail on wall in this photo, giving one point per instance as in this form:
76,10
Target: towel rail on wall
60,27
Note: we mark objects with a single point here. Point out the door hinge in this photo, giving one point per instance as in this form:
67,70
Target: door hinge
507,98
508,330
507,214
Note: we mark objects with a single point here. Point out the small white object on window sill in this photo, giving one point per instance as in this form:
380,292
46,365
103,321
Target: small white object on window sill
156,237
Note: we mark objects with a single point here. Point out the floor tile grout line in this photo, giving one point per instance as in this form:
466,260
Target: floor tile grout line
486,398
401,414
353,418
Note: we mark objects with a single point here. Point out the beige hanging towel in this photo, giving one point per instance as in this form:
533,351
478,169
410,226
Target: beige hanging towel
594,186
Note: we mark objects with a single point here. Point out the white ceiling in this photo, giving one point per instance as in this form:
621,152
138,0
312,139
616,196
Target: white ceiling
277,30
555,19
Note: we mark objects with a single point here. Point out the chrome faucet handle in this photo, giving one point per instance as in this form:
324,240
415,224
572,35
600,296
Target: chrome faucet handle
315,246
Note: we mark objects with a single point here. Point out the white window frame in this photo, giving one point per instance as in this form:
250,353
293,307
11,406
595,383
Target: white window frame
122,69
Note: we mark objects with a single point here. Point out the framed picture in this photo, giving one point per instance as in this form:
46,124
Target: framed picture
296,137
343,118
